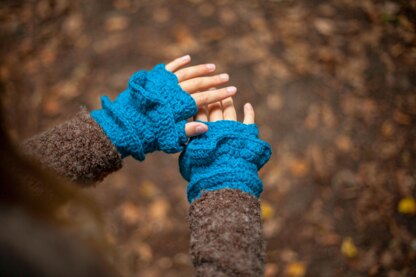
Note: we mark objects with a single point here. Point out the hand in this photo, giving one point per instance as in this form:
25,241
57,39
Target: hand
166,95
195,81
225,110
228,156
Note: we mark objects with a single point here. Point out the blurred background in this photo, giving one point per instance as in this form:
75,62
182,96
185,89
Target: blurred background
333,86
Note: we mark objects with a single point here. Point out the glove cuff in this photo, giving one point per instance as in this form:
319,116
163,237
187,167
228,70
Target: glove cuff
229,155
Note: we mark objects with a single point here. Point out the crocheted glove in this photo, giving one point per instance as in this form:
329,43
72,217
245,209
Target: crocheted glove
150,115
229,155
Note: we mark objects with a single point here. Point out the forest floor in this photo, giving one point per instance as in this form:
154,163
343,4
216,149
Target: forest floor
333,84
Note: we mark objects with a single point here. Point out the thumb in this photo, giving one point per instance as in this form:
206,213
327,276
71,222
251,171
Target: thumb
193,129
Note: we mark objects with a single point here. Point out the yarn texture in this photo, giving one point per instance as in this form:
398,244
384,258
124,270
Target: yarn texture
229,155
149,115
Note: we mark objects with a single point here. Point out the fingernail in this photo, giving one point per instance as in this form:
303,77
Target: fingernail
199,129
225,77
211,66
248,106
186,58
231,89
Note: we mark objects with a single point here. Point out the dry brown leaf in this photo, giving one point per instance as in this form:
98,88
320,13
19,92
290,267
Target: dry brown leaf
116,23
130,213
299,168
344,143
324,26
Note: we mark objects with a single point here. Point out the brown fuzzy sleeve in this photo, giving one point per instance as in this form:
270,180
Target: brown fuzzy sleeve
77,149
226,234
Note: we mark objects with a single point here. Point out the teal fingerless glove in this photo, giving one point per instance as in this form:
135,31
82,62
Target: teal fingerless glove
229,155
150,115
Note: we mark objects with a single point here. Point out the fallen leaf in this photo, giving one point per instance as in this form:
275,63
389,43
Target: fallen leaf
299,168
295,269
130,213
213,34
387,128
288,255
52,107
227,16
267,211
274,102
159,209
324,26
122,4
407,206
270,270
148,189
165,262
348,248
343,143
401,118
116,23
206,9
144,252
162,16
272,227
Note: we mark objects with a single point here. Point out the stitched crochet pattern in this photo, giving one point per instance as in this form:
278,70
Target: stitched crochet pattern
229,155
149,115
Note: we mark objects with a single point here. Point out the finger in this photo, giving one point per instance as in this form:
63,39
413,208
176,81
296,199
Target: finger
194,71
195,128
248,114
229,109
215,112
202,114
178,63
204,83
211,96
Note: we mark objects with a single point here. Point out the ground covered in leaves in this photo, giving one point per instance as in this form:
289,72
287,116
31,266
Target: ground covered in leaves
334,87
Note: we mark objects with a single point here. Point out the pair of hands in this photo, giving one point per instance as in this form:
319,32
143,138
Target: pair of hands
213,104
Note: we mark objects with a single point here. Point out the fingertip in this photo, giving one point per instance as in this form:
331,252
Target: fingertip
211,67
231,90
201,128
193,129
178,63
186,58
248,107
224,77
248,114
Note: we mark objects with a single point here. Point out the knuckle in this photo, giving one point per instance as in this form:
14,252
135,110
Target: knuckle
181,75
224,92
203,98
228,101
201,69
196,82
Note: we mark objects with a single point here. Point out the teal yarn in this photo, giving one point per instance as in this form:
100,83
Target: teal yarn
229,155
149,115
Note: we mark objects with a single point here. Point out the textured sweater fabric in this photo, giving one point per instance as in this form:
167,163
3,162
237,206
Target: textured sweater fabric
226,234
229,155
150,115
76,149
225,225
